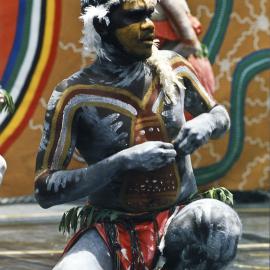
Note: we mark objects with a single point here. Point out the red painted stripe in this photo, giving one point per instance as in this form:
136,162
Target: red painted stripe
8,21
43,80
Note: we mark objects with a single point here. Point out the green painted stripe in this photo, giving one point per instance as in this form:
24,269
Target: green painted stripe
218,27
244,72
23,48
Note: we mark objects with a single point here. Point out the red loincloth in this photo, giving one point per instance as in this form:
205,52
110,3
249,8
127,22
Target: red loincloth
148,234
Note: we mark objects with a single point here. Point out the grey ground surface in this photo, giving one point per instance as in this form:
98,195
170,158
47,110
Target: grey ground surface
29,237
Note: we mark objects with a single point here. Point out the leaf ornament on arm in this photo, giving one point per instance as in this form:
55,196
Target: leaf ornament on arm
6,101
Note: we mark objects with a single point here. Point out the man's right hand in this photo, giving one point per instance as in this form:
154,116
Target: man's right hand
149,156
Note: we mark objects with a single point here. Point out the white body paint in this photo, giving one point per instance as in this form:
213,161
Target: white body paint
3,168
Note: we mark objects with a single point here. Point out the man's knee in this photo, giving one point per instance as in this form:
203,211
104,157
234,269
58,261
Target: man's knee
204,235
89,252
82,260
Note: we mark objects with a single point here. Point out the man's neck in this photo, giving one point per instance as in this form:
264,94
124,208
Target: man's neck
117,56
123,71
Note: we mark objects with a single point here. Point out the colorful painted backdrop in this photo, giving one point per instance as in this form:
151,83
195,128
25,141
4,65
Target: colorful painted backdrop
39,46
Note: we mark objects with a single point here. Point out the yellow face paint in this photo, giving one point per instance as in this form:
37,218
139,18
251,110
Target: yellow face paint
135,41
137,38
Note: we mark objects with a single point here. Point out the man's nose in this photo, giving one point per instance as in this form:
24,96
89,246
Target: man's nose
147,24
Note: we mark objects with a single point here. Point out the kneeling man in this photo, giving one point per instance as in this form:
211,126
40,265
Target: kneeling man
125,115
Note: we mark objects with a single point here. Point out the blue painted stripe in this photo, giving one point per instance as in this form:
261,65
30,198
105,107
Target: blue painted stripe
16,44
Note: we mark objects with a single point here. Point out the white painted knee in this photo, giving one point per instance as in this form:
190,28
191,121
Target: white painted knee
204,235
218,214
82,260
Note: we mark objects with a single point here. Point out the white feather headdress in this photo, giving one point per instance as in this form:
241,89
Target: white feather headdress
91,40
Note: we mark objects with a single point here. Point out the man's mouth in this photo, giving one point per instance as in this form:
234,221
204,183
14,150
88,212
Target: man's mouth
148,38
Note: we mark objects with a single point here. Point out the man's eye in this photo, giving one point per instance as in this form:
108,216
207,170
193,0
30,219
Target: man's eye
137,15
149,15
150,12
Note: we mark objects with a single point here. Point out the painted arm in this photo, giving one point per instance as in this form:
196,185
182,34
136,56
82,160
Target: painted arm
55,184
210,120
63,185
200,129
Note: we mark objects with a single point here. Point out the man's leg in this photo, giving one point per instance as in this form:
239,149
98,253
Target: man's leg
89,253
202,236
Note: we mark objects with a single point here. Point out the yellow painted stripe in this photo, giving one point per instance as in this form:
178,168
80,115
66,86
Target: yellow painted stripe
29,252
44,55
253,246
253,267
144,119
181,59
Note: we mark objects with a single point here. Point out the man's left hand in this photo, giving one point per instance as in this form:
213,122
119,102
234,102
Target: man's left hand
193,134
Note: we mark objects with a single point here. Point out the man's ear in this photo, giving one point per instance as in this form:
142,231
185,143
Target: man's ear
101,26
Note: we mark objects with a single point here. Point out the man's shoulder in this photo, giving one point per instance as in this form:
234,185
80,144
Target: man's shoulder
171,55
168,54
67,89
75,80
175,59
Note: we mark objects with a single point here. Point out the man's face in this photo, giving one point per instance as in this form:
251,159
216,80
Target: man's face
133,28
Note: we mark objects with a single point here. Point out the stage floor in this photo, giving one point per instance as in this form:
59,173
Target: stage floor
29,237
